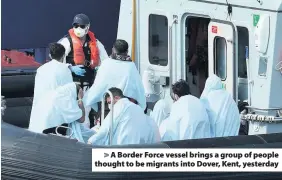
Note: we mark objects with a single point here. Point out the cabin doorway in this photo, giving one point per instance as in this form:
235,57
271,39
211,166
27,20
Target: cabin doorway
196,53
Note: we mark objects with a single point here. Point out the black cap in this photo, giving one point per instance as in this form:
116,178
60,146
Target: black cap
81,19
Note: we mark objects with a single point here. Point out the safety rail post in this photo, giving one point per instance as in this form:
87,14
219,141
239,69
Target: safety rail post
111,113
170,39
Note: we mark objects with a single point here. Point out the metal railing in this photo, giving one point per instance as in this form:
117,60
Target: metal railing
170,51
111,113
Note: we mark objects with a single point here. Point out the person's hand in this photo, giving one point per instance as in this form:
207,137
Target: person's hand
78,70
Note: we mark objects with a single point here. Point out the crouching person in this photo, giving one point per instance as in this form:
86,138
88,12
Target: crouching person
188,118
223,112
160,112
62,106
130,124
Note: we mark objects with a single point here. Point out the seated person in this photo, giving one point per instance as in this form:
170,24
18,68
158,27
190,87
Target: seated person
60,106
160,112
130,124
188,118
222,109
117,71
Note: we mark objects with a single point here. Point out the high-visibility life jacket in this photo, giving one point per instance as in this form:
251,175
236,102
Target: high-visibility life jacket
84,55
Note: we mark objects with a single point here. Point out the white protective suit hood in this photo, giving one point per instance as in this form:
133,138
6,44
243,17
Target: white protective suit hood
119,74
56,108
160,112
188,120
213,83
222,110
130,126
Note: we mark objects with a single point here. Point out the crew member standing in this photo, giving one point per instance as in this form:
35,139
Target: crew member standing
83,51
84,54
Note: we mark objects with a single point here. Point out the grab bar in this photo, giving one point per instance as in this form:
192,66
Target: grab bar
175,20
264,109
111,113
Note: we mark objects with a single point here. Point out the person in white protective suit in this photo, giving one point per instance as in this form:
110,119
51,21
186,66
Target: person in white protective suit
160,112
117,71
188,117
130,124
222,110
62,106
52,74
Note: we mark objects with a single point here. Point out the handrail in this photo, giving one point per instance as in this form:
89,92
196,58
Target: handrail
170,50
111,113
264,109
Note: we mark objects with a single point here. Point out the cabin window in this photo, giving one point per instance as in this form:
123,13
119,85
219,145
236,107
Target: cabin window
158,40
220,57
243,49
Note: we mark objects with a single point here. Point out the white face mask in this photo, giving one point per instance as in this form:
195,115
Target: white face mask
79,32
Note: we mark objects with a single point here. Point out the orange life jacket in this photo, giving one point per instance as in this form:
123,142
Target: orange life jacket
78,53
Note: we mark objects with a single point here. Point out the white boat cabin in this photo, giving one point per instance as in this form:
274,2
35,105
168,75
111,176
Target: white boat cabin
238,40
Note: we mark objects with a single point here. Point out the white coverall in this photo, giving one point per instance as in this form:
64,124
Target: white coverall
58,107
188,120
50,76
160,112
153,130
222,110
120,74
130,126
